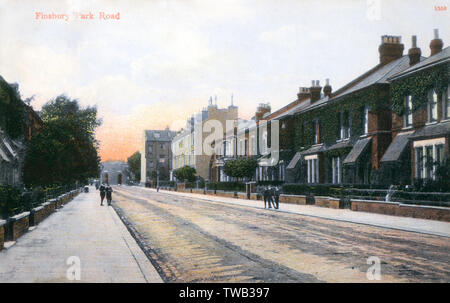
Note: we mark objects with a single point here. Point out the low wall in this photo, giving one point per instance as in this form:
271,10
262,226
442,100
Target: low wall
37,215
2,233
404,210
328,202
255,196
19,224
293,199
197,190
241,195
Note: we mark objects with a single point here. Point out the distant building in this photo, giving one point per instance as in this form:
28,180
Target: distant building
115,172
189,141
156,155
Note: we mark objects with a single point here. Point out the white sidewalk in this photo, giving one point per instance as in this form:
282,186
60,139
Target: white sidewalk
424,226
83,229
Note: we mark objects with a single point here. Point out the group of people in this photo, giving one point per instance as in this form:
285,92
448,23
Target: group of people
105,190
271,196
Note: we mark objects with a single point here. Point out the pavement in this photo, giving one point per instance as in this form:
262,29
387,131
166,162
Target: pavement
81,240
423,226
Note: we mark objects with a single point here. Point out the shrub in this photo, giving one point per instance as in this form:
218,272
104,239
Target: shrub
185,173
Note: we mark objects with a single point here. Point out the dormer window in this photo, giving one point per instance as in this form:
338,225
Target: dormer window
408,111
432,106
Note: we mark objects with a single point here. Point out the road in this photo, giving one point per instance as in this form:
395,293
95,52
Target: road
193,240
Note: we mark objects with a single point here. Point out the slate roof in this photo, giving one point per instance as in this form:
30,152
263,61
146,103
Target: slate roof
432,131
357,150
3,155
397,146
439,58
342,144
164,135
313,150
377,75
294,161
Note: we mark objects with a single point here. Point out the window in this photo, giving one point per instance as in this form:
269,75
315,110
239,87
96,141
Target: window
446,103
366,120
312,169
344,122
420,172
282,171
245,147
336,170
432,106
265,147
429,161
408,111
428,157
316,126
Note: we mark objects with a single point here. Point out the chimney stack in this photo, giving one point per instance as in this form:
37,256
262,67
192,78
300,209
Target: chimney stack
303,93
261,110
414,52
315,90
390,49
436,44
327,88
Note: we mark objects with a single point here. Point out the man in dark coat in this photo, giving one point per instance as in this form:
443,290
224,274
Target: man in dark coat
102,193
109,191
267,194
276,196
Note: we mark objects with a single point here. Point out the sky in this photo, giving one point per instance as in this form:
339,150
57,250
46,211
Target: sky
161,60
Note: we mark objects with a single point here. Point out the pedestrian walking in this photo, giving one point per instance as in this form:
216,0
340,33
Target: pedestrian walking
102,189
267,196
109,191
276,196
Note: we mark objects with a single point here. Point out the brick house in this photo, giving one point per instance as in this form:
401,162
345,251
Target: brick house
341,137
420,116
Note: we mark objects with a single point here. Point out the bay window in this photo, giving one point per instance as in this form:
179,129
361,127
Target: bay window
312,169
428,155
336,170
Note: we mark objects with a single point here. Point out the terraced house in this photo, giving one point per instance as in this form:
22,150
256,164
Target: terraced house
357,134
18,124
420,117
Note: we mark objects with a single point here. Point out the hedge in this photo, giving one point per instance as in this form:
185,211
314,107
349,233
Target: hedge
227,186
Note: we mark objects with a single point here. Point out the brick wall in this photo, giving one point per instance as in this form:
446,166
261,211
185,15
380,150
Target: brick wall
20,225
293,199
39,214
403,210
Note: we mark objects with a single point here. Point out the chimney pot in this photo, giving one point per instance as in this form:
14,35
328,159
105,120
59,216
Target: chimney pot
436,44
414,52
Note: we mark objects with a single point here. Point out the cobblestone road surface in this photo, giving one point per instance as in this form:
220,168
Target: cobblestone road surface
191,240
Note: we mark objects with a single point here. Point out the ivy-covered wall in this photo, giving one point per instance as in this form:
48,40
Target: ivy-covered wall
12,110
418,85
328,117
